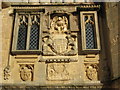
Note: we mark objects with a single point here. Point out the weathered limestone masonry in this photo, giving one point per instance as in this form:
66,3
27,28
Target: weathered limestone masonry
57,54
113,28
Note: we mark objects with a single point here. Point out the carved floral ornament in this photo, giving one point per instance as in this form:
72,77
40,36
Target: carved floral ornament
91,71
7,73
26,72
59,40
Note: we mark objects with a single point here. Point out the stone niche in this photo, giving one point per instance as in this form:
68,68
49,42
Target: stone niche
58,40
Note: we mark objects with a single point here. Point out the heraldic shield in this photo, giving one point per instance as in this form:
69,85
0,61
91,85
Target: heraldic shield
60,44
26,72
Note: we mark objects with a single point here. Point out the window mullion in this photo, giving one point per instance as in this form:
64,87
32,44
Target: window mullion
84,32
40,31
28,33
97,31
16,32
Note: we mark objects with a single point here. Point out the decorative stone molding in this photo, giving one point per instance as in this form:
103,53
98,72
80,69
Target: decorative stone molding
61,60
59,11
57,71
7,73
89,7
92,58
91,71
58,59
26,72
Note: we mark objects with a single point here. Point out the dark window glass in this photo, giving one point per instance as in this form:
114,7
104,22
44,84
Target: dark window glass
22,36
90,36
34,37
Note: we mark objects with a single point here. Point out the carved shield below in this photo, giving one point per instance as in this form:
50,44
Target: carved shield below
91,74
25,75
60,44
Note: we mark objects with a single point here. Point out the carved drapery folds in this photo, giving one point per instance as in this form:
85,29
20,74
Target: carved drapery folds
91,71
57,71
59,40
26,72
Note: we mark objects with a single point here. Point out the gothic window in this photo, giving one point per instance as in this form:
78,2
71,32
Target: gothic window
27,32
89,31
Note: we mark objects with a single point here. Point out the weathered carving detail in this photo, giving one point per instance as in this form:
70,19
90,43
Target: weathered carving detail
7,73
23,19
59,24
26,72
58,40
91,71
35,19
57,71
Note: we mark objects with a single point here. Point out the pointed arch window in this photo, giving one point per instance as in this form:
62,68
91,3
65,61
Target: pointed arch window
90,31
27,32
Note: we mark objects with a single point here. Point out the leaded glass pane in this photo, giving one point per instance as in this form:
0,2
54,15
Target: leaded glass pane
34,37
22,35
90,36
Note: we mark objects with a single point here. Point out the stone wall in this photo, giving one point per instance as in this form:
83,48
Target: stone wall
113,51
74,72
6,37
0,43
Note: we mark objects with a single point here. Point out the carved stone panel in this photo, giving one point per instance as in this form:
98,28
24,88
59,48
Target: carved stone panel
59,40
26,72
57,71
91,72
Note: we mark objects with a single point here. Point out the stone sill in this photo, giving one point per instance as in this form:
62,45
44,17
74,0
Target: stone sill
87,85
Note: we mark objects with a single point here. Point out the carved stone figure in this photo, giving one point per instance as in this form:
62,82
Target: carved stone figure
26,72
59,23
57,71
91,71
58,40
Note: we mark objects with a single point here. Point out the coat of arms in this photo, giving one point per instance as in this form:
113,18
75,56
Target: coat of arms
26,72
58,40
91,71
